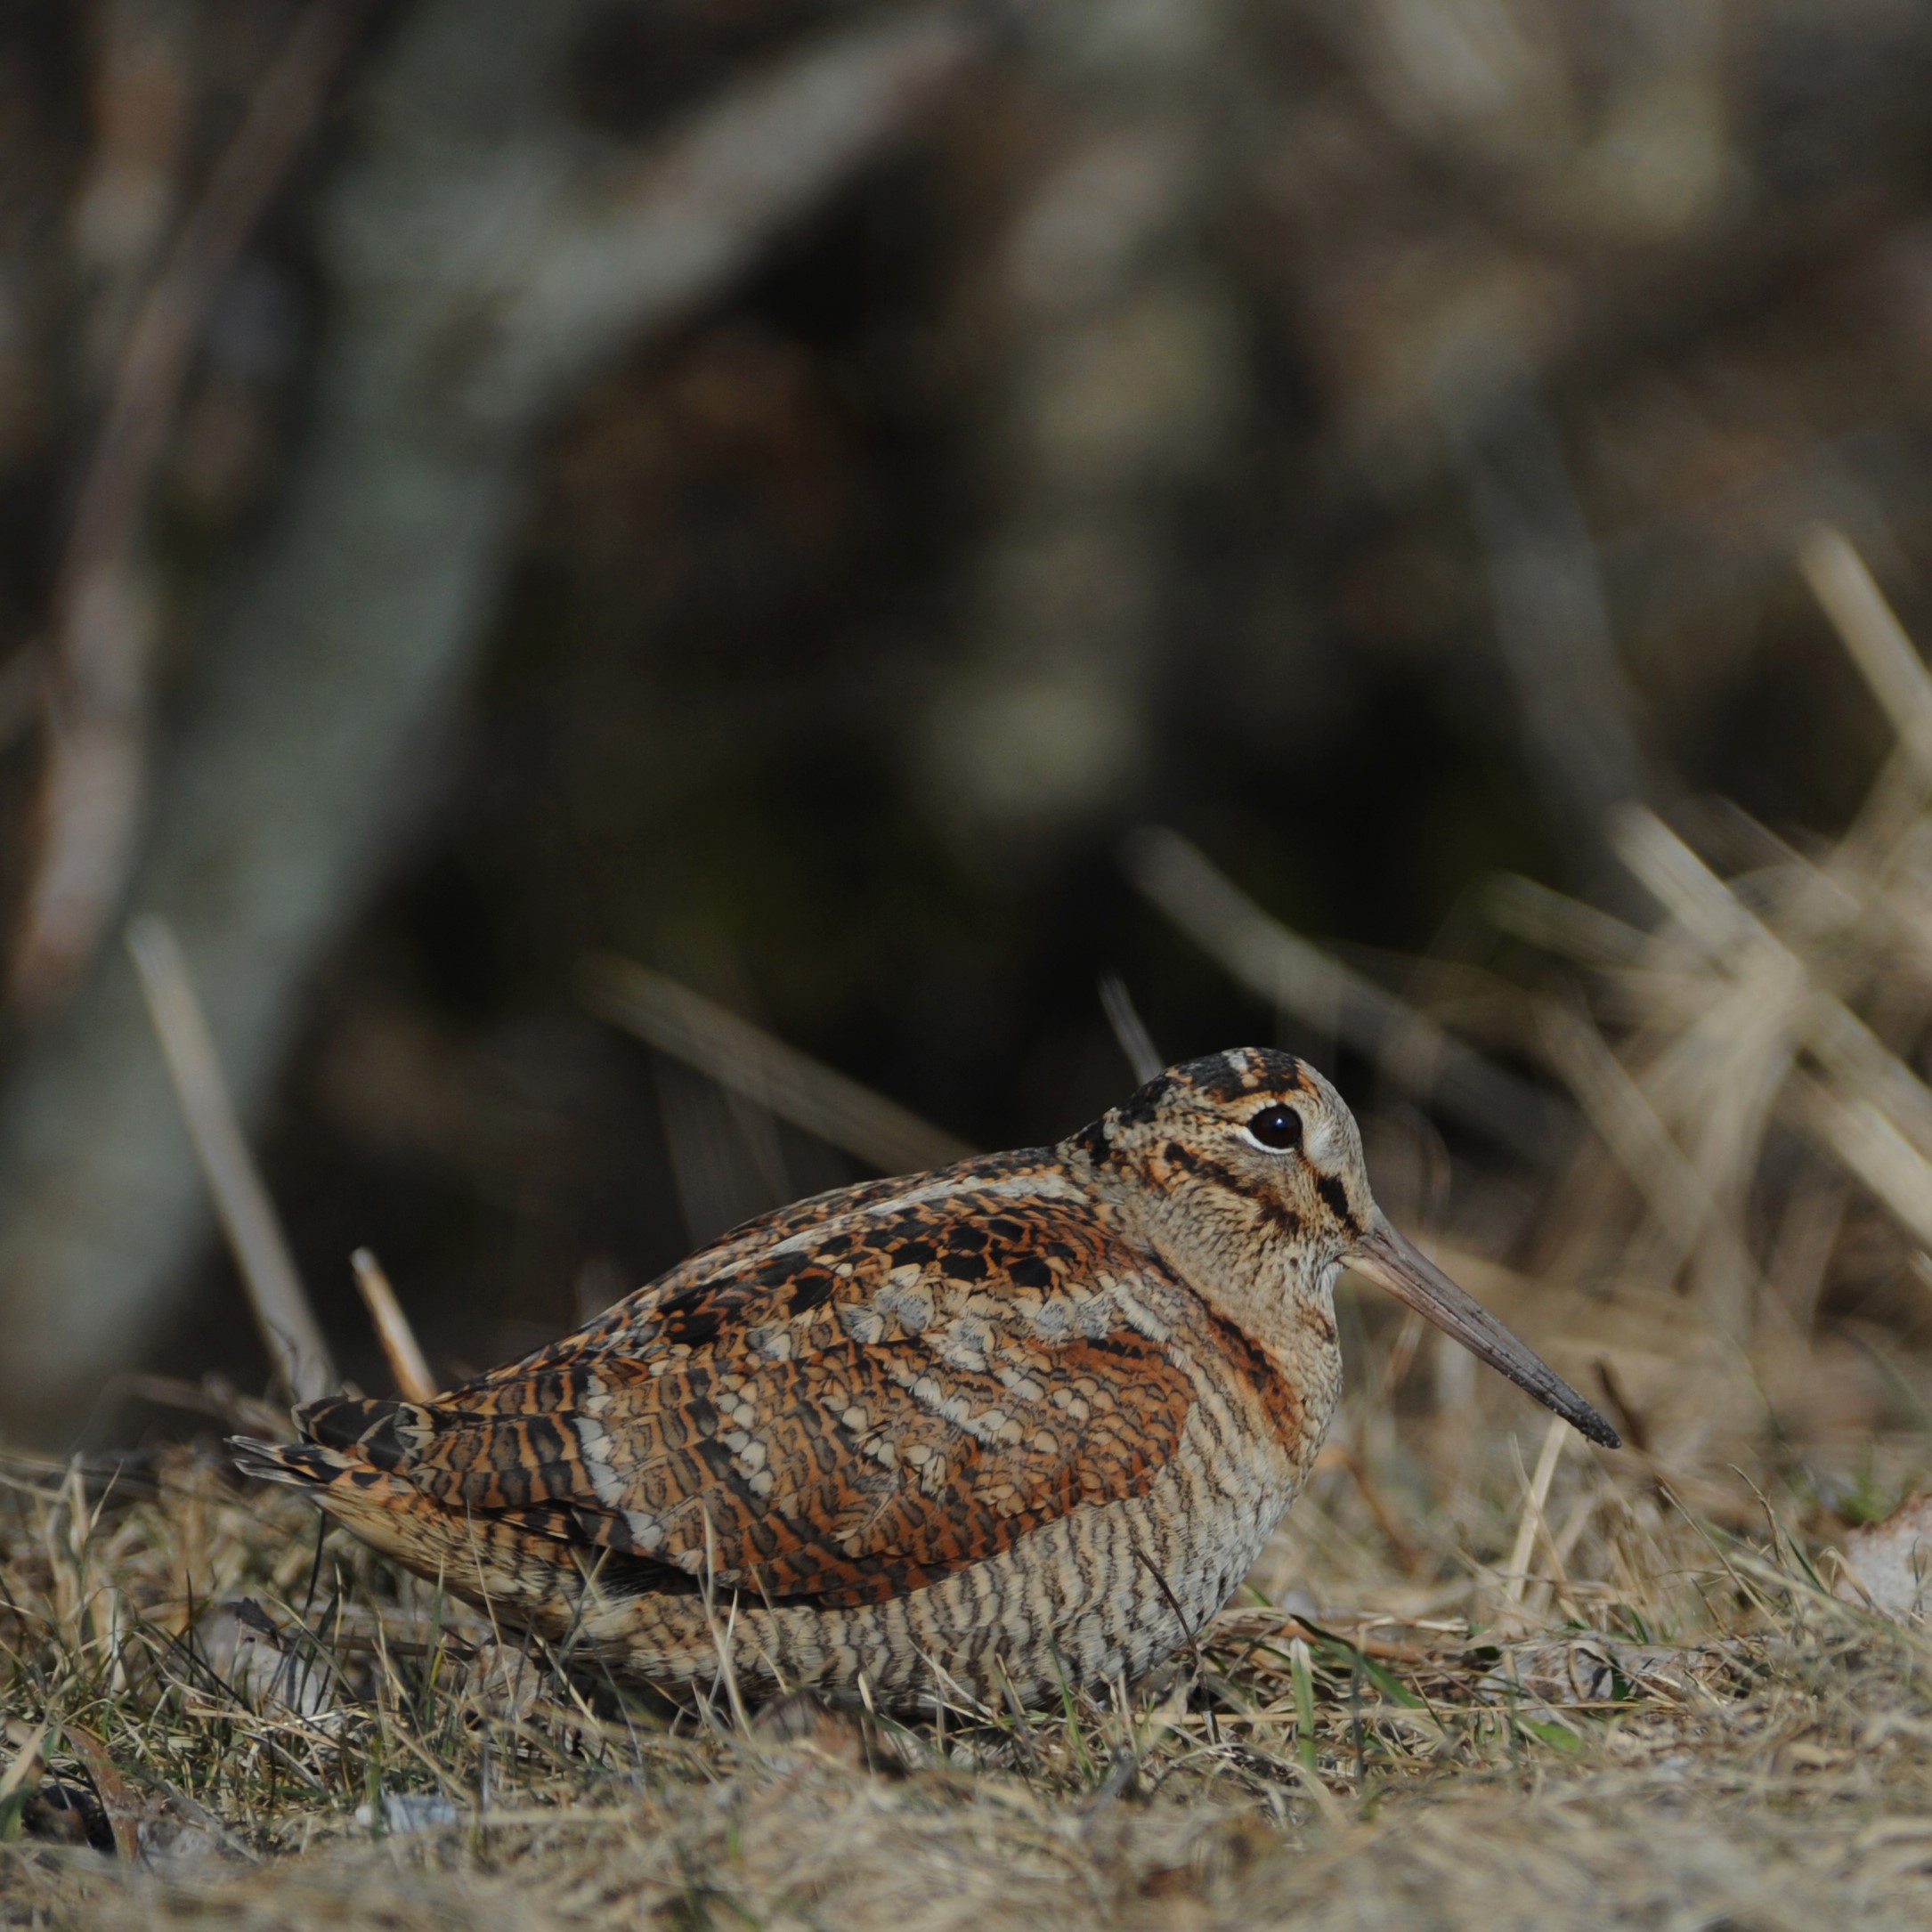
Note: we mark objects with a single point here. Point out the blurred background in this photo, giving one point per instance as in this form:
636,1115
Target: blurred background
888,515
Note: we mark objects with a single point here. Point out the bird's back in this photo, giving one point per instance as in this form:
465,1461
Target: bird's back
967,1420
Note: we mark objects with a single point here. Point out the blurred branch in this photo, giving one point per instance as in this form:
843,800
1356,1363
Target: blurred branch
1877,644
211,1396
1560,924
1873,637
1681,883
747,1059
1678,1190
1300,979
1867,1144
287,1325
22,684
104,622
406,1367
343,644
1617,1109
1550,618
645,241
715,1173
1130,1030
1530,1524
1872,1113
1115,372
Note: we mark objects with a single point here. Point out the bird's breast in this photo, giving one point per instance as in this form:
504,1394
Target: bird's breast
1286,1379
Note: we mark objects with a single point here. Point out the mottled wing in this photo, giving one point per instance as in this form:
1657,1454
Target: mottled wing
842,1405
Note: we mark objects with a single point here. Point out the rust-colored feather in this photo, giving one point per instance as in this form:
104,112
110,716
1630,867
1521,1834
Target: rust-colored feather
842,1401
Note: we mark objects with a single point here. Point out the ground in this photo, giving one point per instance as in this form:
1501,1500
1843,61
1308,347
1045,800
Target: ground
1550,1699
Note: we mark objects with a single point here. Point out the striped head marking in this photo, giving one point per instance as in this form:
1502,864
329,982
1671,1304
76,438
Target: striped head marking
1245,1170
1243,1160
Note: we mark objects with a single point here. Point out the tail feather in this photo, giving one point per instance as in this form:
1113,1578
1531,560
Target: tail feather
509,1562
376,1429
303,1465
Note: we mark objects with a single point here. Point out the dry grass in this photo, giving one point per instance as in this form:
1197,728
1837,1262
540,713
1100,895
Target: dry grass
1479,1678
1573,1703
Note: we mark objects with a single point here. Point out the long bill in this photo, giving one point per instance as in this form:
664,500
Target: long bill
1393,1262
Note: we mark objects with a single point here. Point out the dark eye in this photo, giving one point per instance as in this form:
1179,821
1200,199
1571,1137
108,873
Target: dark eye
1278,1127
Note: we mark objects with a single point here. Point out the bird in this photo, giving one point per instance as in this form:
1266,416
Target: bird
1019,1423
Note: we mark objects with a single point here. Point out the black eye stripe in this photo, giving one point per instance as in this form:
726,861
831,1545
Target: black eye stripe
1278,1127
1336,1198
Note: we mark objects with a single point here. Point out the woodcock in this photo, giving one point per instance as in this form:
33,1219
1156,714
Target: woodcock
1024,1420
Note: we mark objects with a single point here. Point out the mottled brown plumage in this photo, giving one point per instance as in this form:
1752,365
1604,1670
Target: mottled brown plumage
1026,1418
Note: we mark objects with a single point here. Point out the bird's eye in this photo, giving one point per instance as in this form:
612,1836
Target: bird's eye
1278,1127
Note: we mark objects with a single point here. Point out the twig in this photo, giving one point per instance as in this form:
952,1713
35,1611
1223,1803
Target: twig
1560,924
746,1058
1878,646
101,628
1399,1538
721,1639
281,1308
1858,1134
407,1368
1130,1030
726,1160
1301,980
1527,1531
1874,1117
1676,1190
17,1783
1254,1624
1874,636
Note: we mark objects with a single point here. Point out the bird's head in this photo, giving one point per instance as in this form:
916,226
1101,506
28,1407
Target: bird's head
1245,1167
